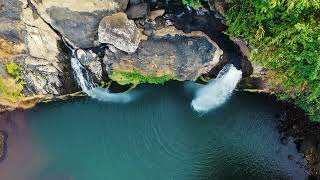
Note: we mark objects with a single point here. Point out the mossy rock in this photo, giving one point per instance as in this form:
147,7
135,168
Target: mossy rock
136,78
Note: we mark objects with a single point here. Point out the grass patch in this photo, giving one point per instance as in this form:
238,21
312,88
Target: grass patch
285,38
136,78
11,87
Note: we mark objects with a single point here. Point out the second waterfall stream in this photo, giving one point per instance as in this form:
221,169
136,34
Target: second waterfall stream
217,91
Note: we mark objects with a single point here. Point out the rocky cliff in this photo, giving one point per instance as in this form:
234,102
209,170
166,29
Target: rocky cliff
127,42
31,35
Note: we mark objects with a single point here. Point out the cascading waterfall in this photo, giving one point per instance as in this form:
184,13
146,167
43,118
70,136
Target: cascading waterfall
218,91
89,87
84,80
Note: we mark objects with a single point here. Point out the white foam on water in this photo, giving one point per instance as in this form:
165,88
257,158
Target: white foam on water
89,87
104,95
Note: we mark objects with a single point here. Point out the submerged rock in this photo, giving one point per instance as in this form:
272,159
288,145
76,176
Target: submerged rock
119,31
77,20
168,53
3,139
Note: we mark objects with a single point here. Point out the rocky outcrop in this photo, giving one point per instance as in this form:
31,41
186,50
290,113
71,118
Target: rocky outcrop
77,20
169,52
256,77
33,35
119,31
44,63
28,41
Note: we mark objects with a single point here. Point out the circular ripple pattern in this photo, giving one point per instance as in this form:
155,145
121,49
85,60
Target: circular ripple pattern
160,137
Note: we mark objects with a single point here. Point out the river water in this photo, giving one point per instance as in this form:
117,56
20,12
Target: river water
157,136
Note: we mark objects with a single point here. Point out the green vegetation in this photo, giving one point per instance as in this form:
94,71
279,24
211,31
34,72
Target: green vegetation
9,88
195,4
136,78
285,37
14,70
104,84
12,87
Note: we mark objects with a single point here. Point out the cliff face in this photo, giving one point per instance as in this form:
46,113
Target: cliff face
28,41
144,49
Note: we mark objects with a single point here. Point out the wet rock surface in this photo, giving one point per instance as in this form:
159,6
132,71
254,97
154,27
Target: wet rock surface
92,62
295,123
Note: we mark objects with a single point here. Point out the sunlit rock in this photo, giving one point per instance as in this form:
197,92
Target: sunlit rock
119,31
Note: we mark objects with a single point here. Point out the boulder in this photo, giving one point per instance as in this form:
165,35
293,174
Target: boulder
156,13
119,31
137,11
168,53
77,20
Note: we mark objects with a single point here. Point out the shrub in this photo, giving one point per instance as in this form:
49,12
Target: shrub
11,88
195,4
14,70
285,37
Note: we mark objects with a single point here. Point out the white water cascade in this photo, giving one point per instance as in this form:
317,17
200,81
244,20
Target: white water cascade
89,87
218,91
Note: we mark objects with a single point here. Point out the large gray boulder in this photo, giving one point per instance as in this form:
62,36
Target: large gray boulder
77,20
169,53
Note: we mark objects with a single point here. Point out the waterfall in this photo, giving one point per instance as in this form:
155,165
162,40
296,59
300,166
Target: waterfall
89,87
218,91
83,78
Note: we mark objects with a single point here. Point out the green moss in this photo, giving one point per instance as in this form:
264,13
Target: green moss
195,4
285,38
13,69
104,84
136,78
11,87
